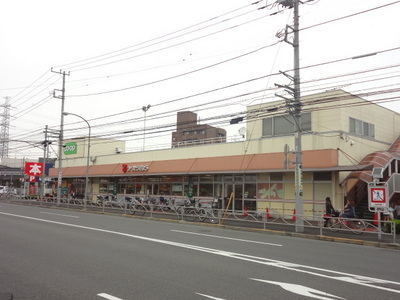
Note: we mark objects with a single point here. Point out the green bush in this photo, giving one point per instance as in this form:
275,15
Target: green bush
389,224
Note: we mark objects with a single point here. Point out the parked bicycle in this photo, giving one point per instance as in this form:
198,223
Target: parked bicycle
193,210
136,206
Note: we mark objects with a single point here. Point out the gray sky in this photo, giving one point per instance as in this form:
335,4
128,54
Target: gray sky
177,55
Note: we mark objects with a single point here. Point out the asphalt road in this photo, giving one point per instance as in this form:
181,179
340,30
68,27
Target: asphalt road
57,254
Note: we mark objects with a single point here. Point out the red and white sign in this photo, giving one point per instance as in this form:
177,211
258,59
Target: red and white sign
378,197
33,168
31,178
127,168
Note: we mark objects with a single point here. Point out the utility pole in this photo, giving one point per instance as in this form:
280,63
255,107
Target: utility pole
45,144
5,128
294,106
61,136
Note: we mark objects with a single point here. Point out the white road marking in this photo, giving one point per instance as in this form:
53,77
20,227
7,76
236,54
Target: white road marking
210,297
227,238
302,290
325,273
109,297
69,216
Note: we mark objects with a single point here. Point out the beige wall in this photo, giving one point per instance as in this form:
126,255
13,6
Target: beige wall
330,130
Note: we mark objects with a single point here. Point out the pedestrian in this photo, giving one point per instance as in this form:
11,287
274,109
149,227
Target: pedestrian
329,211
397,210
349,209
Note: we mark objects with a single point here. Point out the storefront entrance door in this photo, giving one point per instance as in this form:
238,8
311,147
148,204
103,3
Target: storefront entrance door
233,201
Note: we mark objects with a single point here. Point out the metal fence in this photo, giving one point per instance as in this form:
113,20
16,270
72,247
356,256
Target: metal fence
373,230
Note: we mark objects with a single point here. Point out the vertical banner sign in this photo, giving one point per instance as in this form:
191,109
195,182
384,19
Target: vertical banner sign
33,168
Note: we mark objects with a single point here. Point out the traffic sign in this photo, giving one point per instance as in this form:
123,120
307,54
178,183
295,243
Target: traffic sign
378,197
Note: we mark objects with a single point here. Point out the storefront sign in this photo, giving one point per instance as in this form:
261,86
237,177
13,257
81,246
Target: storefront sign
126,168
70,148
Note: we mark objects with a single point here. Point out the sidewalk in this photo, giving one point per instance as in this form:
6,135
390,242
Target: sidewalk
284,225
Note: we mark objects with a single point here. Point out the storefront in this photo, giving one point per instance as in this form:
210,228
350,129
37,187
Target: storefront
250,182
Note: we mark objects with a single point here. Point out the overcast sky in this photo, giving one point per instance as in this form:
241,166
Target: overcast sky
176,55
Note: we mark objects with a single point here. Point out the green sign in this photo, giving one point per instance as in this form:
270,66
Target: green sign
70,148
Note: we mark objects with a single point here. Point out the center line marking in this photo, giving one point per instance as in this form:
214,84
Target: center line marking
228,238
109,297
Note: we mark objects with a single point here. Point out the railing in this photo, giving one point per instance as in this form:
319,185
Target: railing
243,218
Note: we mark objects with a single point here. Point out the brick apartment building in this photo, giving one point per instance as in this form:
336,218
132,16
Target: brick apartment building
189,132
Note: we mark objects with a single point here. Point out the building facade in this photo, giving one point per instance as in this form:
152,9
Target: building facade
339,130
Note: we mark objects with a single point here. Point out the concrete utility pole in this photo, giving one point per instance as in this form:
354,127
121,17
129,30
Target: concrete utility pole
294,106
45,144
61,136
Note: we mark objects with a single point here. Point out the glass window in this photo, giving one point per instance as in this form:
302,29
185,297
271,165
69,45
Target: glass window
250,177
371,130
361,128
206,190
206,178
250,191
306,122
267,127
177,189
322,176
283,125
276,176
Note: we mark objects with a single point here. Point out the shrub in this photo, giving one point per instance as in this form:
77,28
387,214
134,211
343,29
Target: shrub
389,224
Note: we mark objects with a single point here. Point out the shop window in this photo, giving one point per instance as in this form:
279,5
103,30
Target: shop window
206,190
177,189
250,191
276,176
250,177
165,189
207,178
322,176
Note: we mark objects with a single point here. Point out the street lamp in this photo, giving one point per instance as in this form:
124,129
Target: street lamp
88,158
145,109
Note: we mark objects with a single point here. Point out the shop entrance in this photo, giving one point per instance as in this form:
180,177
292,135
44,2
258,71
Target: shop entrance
235,201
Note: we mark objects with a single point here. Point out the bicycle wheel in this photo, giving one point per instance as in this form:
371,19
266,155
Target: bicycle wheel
190,215
334,225
213,217
357,226
202,215
137,210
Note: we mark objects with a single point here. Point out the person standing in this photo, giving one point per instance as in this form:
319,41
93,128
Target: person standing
329,210
397,210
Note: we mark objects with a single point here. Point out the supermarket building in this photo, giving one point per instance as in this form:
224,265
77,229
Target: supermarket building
344,137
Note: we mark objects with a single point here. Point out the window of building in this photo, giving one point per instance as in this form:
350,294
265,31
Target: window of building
322,176
283,125
276,176
361,128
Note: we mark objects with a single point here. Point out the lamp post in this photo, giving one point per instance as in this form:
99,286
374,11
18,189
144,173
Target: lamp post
145,109
88,158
